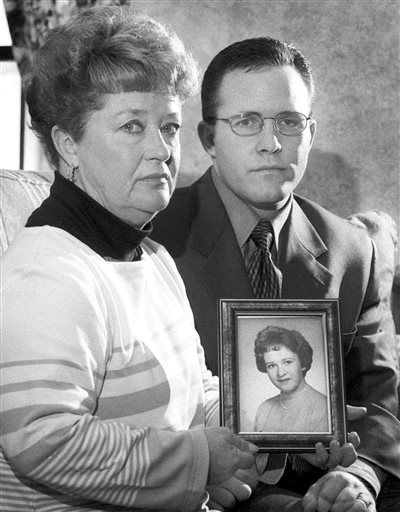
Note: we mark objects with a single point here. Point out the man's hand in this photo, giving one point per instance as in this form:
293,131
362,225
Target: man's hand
237,488
338,491
336,456
355,413
228,453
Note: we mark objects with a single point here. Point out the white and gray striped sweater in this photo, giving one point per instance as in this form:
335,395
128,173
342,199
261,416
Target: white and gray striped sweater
104,386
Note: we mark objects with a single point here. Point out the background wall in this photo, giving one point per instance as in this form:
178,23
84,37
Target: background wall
354,50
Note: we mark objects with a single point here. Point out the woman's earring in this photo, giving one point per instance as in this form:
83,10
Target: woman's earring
71,172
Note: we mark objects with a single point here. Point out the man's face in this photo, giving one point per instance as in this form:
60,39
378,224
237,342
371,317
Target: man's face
261,169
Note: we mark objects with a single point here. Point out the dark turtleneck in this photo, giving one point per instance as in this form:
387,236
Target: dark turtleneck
69,208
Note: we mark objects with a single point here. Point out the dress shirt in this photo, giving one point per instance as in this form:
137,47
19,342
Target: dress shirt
244,218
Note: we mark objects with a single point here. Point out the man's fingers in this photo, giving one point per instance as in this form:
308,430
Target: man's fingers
335,454
349,455
338,491
363,503
354,439
341,455
355,413
327,496
352,500
344,500
310,499
321,456
338,455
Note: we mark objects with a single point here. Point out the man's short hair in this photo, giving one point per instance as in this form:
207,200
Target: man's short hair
250,55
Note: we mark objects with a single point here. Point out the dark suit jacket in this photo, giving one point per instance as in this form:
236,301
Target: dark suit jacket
320,256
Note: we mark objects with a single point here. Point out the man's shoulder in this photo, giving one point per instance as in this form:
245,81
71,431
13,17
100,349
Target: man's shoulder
173,225
315,210
331,226
184,198
202,185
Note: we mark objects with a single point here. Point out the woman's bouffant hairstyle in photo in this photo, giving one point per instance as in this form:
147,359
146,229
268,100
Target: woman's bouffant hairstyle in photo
103,50
274,337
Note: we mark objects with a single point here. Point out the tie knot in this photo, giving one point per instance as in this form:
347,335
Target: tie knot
263,235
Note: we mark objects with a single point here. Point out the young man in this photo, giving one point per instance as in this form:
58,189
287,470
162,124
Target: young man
258,130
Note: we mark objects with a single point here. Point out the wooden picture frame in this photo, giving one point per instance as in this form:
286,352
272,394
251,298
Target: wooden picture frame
259,398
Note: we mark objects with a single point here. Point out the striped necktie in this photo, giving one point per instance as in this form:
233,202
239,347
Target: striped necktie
266,281
265,277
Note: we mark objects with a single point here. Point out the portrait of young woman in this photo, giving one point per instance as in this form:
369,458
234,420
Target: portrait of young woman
286,356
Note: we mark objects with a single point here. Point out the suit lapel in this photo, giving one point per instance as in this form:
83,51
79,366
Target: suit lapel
303,275
223,269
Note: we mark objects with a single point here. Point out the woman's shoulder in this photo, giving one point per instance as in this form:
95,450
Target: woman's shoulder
269,403
44,250
314,394
43,240
161,257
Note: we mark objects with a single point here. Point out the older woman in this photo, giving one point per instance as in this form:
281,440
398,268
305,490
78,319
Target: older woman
105,390
286,356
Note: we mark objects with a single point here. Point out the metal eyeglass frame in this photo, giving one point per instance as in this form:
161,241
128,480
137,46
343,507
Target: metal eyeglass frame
262,124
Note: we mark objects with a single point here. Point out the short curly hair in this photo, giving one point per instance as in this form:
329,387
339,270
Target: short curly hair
273,337
103,50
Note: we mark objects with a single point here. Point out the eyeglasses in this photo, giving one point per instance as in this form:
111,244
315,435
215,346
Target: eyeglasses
246,124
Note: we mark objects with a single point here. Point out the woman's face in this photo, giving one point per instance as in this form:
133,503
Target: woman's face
284,368
129,154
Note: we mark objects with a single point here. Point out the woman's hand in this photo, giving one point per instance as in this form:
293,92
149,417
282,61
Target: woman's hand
236,489
228,453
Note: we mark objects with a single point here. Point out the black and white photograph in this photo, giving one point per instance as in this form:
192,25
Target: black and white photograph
199,255
294,386
282,380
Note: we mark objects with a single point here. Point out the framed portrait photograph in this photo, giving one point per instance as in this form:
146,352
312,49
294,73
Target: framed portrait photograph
281,372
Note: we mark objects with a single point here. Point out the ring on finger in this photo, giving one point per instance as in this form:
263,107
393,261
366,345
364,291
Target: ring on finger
360,497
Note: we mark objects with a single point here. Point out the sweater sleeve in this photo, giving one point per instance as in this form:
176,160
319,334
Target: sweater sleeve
54,358
211,389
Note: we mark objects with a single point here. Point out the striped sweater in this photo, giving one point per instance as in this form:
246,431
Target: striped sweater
104,385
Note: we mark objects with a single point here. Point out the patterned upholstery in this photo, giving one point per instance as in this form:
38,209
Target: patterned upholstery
21,192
